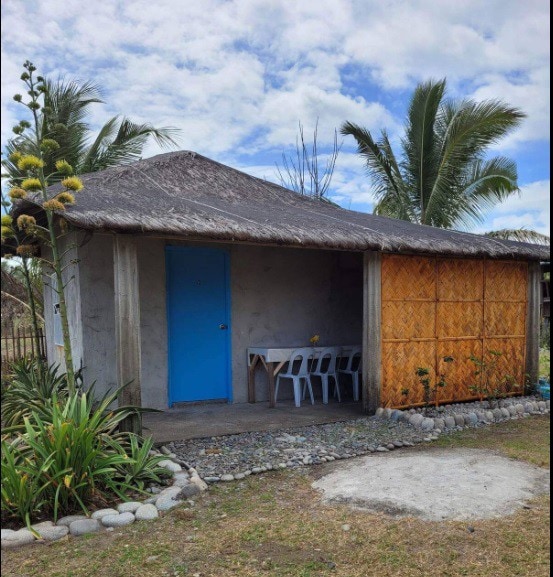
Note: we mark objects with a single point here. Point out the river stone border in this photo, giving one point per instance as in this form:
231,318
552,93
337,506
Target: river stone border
185,483
460,416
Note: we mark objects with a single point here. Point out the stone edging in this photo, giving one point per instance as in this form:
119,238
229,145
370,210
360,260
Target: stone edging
451,417
186,484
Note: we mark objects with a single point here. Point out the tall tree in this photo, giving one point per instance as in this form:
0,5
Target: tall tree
443,176
65,119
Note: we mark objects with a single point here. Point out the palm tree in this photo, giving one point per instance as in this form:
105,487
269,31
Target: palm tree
67,121
443,177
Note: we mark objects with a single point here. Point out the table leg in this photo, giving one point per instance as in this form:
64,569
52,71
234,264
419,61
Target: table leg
271,373
251,379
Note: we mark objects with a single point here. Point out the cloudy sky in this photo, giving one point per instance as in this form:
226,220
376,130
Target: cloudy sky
237,76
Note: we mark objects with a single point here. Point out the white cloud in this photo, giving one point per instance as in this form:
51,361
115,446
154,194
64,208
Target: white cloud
237,76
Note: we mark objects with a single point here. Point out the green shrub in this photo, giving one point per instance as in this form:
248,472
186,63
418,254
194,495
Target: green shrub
73,458
31,388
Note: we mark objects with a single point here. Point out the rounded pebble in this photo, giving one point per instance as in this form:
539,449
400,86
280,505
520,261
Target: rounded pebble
119,520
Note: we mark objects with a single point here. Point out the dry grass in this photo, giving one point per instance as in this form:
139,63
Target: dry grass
275,525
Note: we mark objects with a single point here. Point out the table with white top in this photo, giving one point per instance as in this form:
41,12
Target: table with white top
273,359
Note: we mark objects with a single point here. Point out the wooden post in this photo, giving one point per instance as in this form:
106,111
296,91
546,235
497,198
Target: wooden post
533,323
372,320
127,326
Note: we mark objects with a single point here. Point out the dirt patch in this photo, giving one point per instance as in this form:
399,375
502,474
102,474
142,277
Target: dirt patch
458,484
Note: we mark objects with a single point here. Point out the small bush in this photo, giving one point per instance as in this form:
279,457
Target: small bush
31,387
74,458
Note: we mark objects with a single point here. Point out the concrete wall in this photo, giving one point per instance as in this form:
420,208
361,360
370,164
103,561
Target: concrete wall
279,297
282,297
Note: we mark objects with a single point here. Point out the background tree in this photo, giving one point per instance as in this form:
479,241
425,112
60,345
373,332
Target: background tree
65,119
301,172
443,176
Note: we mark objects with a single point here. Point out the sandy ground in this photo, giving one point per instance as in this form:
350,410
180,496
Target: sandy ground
458,484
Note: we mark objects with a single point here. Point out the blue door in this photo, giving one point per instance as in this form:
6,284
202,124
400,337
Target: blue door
198,310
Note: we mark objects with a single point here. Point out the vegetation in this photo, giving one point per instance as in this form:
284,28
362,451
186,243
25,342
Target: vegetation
62,450
488,383
443,176
32,388
65,119
277,525
430,391
302,173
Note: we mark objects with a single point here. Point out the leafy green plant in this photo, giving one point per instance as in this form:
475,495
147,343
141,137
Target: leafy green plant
141,467
31,387
23,482
488,385
430,390
73,455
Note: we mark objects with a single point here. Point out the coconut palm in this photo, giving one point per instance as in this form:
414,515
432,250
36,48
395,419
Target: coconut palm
520,235
66,120
443,177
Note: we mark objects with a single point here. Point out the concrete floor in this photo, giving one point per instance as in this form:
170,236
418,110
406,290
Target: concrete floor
211,420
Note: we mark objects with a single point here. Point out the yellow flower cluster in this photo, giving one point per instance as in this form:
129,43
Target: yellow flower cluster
17,193
30,162
314,339
65,197
25,250
72,183
64,167
26,221
31,184
53,204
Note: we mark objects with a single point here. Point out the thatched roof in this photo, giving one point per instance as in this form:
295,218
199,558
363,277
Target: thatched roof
184,194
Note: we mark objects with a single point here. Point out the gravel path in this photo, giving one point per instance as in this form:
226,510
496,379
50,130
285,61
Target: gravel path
237,455
229,457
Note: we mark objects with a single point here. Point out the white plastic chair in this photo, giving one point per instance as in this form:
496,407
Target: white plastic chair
352,368
297,374
325,369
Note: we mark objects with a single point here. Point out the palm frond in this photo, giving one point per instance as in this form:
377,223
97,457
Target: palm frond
382,167
127,144
520,235
419,143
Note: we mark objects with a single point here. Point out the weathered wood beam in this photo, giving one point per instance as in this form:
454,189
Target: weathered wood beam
533,323
372,320
127,326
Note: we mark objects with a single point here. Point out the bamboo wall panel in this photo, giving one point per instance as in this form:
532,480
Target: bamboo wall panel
459,319
511,361
410,319
432,308
460,373
506,281
505,319
401,360
460,280
408,279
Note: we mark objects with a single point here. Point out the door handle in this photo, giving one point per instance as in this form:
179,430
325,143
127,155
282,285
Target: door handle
223,327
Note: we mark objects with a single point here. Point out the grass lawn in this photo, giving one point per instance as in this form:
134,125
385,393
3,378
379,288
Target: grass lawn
545,363
275,525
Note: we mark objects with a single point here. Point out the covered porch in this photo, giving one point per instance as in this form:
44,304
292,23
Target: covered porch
214,419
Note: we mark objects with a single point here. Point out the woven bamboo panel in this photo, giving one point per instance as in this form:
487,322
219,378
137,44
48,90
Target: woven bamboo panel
505,319
459,319
506,281
511,362
399,363
408,319
460,280
408,278
460,373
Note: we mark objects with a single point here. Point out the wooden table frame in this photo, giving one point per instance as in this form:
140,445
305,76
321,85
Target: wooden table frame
272,368
272,371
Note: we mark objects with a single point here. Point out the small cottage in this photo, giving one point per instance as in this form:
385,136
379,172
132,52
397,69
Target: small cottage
179,265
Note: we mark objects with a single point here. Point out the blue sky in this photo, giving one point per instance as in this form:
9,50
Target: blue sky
237,76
